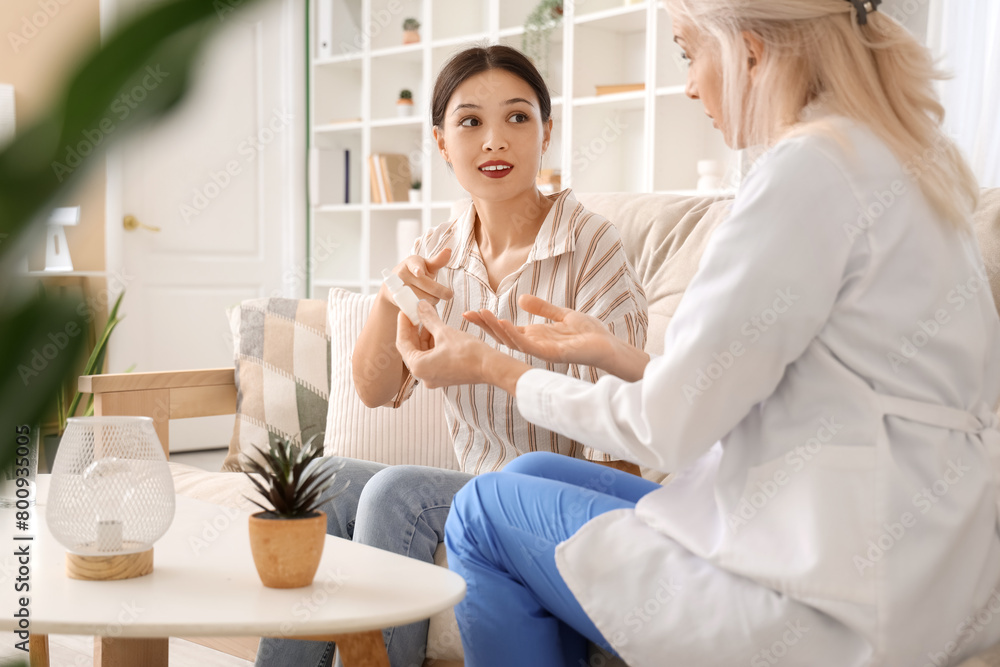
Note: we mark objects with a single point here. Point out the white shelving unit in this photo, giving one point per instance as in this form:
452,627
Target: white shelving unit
648,140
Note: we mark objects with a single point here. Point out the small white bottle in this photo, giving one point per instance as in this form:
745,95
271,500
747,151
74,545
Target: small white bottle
402,295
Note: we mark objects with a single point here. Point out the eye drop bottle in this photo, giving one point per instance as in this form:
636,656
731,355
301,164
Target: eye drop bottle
402,295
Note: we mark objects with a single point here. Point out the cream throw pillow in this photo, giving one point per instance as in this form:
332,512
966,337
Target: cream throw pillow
415,433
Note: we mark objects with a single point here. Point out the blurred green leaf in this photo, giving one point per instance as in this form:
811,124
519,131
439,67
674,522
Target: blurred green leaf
154,50
39,344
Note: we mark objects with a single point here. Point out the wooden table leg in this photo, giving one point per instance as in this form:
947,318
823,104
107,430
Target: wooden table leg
363,649
38,646
117,652
358,649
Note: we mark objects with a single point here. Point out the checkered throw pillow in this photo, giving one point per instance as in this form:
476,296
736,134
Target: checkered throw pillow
282,355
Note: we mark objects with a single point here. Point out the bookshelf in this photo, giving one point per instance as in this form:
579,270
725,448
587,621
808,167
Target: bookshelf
647,139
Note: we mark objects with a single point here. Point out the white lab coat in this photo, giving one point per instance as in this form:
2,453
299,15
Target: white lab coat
827,392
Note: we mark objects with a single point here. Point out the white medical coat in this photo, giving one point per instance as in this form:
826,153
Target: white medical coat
827,390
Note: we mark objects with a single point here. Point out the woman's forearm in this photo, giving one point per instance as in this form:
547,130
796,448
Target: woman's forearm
622,360
377,365
625,361
503,371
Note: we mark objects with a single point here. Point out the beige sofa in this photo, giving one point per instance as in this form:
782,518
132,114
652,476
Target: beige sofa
664,236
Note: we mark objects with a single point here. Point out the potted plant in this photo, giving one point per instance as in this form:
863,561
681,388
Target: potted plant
286,539
415,192
411,34
404,105
538,27
94,366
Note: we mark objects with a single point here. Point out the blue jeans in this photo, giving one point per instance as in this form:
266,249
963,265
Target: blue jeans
502,534
401,509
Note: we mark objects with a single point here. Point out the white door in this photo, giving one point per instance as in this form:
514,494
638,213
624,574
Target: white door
222,181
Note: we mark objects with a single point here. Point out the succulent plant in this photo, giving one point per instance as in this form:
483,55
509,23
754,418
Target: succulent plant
405,94
411,24
292,492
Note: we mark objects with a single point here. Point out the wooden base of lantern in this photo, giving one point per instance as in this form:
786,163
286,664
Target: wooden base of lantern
109,568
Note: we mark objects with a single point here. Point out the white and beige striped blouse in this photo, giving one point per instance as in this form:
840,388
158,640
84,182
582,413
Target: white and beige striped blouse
578,262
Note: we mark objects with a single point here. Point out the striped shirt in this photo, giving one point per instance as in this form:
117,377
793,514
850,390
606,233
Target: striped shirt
578,262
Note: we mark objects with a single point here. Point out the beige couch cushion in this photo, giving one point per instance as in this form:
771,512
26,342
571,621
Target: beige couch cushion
664,237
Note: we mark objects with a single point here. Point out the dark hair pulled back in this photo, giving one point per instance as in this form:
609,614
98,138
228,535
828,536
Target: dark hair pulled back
477,59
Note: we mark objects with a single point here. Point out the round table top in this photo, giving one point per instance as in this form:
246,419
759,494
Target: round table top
204,583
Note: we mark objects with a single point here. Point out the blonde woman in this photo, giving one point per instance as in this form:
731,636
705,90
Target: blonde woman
837,496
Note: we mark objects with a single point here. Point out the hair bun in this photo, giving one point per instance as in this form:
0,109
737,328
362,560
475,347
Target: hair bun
864,7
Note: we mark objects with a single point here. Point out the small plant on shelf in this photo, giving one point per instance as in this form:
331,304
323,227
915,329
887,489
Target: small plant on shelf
404,105
287,537
415,192
538,27
411,31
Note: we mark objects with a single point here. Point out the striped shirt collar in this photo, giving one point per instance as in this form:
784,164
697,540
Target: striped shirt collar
554,237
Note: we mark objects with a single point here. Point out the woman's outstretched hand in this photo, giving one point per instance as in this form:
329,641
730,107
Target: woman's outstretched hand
441,356
570,337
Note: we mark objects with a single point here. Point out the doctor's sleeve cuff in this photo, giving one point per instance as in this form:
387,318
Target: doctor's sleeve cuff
566,405
534,398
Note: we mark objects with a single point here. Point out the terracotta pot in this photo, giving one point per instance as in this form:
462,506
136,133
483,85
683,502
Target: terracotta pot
287,551
411,36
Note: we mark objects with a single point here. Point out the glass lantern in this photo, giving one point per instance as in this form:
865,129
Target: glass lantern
111,496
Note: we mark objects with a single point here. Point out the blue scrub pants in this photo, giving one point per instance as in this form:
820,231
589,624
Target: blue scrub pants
501,536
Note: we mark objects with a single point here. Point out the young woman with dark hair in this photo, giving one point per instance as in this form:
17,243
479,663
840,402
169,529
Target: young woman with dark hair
491,114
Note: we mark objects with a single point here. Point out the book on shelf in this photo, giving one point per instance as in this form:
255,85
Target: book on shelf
347,176
620,88
329,176
390,177
374,177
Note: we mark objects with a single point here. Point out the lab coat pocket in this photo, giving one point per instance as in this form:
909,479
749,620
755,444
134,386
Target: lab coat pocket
804,518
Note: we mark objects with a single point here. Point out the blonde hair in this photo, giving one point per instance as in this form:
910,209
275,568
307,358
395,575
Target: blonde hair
876,74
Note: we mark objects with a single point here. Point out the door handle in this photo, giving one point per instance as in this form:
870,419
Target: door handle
132,223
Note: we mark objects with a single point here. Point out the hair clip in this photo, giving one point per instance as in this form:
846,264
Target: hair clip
865,7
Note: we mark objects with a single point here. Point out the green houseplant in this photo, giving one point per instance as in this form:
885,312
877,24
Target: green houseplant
287,536
411,31
404,105
538,27
93,366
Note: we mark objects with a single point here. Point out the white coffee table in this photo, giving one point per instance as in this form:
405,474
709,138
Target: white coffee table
204,584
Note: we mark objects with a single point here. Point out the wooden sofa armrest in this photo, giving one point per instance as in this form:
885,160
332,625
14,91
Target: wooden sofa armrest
163,396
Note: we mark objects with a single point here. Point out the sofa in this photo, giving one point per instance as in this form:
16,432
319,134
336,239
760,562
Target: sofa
664,237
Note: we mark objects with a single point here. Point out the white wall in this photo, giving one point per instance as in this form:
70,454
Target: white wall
911,13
